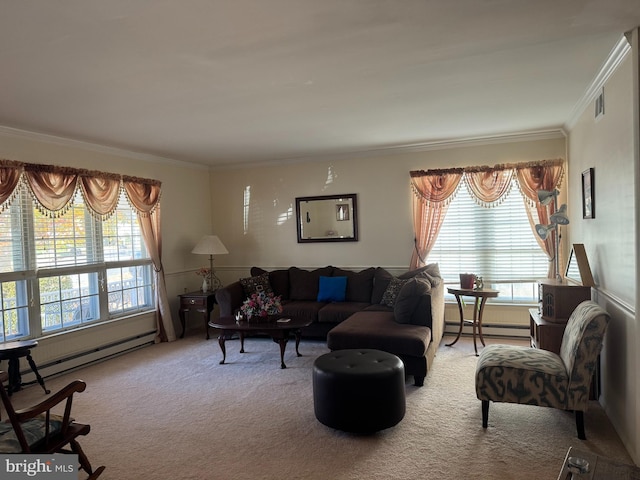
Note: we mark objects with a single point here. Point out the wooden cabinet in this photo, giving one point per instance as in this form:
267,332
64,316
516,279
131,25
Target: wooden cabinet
559,299
545,335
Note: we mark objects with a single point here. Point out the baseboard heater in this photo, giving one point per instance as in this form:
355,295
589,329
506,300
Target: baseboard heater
489,330
83,359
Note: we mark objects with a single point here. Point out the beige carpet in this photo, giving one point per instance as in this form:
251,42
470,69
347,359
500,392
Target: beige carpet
170,411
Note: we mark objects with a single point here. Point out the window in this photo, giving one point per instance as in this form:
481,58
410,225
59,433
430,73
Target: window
61,273
496,243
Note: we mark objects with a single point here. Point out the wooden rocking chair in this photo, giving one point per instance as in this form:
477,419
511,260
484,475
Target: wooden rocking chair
37,430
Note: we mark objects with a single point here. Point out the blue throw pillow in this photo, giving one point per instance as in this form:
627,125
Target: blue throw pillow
332,289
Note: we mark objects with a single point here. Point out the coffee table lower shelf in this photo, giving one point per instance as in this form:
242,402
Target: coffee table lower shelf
279,333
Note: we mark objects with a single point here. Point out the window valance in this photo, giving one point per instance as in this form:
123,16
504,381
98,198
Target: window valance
487,185
53,189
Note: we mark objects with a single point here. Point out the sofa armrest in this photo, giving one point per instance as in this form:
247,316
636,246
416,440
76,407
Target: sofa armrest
230,298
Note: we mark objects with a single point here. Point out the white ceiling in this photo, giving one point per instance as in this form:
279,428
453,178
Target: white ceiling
224,81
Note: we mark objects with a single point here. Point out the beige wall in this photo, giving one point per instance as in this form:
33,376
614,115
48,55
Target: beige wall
384,208
610,240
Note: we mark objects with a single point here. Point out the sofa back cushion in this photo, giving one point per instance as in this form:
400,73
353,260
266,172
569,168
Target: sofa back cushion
304,284
359,284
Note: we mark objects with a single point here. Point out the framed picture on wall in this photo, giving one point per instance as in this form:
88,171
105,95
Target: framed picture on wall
588,194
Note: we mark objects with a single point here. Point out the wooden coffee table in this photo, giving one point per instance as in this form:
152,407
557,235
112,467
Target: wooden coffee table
278,331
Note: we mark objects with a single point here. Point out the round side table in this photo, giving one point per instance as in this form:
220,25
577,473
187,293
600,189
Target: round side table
13,351
480,295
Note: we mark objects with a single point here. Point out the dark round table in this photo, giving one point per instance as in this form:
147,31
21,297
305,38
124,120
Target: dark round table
13,351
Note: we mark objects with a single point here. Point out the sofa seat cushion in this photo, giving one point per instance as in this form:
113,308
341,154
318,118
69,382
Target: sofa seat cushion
304,309
377,307
380,331
337,312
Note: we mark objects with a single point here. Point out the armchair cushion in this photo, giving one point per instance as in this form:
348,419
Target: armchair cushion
525,375
33,429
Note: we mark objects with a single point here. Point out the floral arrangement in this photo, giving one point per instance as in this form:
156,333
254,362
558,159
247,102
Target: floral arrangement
261,305
203,272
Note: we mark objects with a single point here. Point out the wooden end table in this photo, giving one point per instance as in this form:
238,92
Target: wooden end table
197,302
480,296
278,331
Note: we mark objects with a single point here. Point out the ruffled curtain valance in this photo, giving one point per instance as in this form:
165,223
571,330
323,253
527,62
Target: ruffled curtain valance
53,189
488,186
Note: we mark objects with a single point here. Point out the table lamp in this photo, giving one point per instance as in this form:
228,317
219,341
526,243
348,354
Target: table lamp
211,245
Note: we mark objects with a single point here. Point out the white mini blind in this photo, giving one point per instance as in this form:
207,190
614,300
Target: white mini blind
14,235
496,243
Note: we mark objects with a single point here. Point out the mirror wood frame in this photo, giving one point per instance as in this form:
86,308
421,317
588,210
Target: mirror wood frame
333,201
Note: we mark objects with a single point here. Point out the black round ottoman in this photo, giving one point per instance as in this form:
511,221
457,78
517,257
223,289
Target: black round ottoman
359,390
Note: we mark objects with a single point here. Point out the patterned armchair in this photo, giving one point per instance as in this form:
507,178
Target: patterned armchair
507,373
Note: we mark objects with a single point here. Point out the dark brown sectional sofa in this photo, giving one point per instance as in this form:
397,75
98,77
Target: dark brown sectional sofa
401,315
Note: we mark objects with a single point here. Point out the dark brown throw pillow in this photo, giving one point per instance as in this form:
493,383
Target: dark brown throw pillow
392,291
409,297
256,284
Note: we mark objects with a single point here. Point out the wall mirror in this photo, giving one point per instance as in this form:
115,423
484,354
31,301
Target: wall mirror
578,269
327,218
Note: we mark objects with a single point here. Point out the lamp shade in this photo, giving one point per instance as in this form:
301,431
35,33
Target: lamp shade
560,217
543,230
210,245
545,196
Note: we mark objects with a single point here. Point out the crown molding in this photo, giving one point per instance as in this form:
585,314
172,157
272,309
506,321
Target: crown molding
94,147
615,58
336,156
406,149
